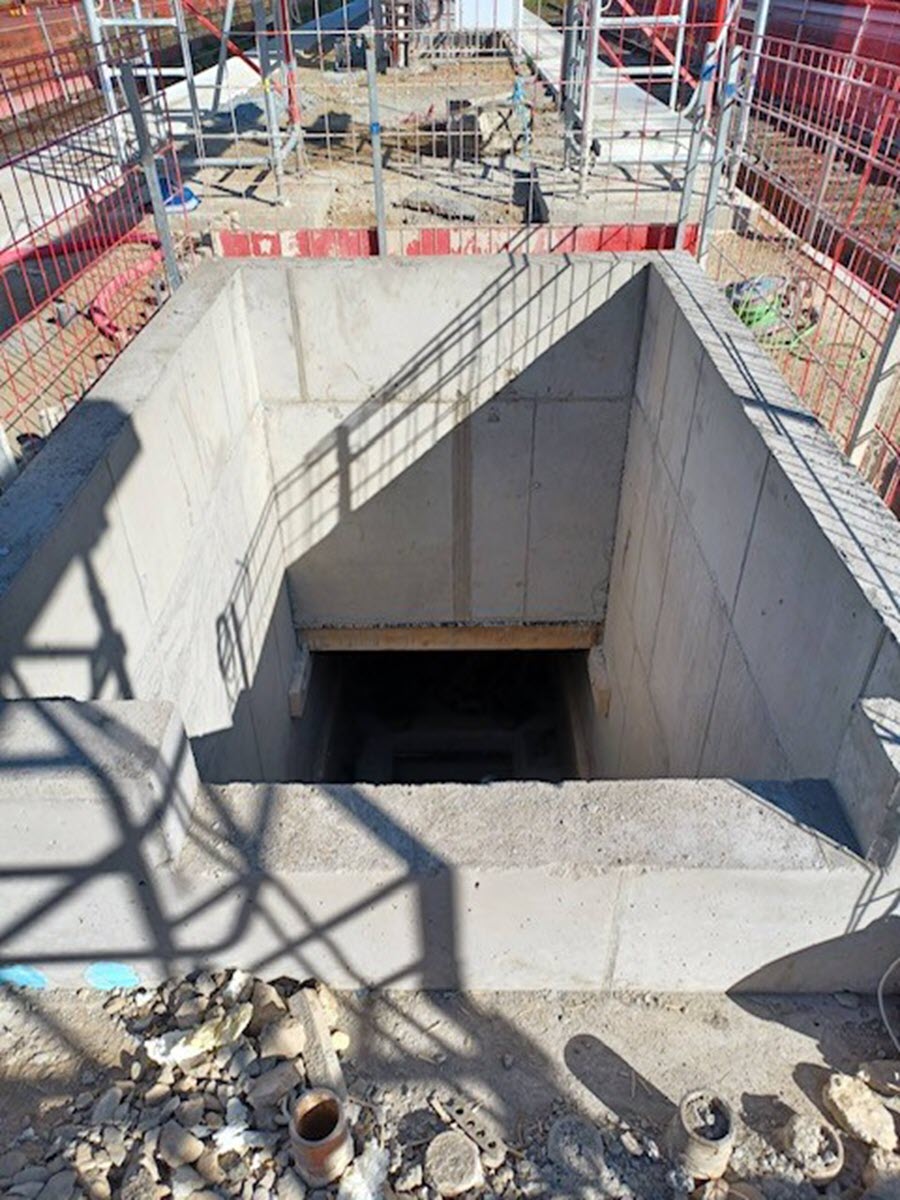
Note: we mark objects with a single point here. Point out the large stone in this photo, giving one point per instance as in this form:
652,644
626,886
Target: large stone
284,1038
859,1112
453,1164
178,1147
270,1087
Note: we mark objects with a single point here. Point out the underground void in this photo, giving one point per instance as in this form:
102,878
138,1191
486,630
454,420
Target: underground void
455,716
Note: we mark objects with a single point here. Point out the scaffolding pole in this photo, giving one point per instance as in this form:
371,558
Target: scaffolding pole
148,166
720,150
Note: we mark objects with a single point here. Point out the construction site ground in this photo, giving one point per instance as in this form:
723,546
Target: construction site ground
523,1060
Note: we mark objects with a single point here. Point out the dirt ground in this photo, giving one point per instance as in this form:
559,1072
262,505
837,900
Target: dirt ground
521,1059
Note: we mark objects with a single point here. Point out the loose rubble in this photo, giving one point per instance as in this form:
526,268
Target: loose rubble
859,1112
201,1108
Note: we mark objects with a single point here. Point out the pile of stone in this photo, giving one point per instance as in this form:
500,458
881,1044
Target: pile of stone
202,1106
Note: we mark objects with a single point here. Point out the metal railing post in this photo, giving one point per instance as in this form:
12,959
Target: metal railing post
729,100
148,165
679,54
262,46
698,133
751,74
375,132
185,44
587,111
104,74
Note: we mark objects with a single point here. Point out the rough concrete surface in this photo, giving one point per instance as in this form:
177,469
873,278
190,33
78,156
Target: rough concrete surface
496,440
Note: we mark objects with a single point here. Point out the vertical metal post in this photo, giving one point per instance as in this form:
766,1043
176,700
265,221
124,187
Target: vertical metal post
223,56
148,165
54,61
104,74
751,74
698,133
679,53
885,375
185,44
729,100
262,47
587,111
568,52
375,131
290,73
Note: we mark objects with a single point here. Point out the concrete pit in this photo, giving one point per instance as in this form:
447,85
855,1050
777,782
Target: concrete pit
406,620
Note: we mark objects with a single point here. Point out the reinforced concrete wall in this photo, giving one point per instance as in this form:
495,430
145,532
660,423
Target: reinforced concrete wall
480,406
144,557
272,441
754,593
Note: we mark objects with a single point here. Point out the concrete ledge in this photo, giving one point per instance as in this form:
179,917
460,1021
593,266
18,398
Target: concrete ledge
695,885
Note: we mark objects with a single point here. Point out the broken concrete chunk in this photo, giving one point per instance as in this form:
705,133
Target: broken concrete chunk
859,1112
183,1049
283,1038
321,1061
267,1005
453,1164
273,1085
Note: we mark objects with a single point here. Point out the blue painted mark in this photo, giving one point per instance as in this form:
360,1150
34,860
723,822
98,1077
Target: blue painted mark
20,975
109,975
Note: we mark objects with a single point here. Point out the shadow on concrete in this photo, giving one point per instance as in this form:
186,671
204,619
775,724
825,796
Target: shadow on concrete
819,968
633,1099
246,888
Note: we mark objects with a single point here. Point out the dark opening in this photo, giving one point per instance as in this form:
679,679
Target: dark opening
441,716
318,1122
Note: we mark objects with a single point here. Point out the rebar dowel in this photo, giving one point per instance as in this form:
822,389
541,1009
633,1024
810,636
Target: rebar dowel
729,102
148,165
375,132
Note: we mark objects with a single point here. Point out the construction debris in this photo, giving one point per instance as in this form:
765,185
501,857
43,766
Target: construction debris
859,1112
440,205
235,1122
453,1164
